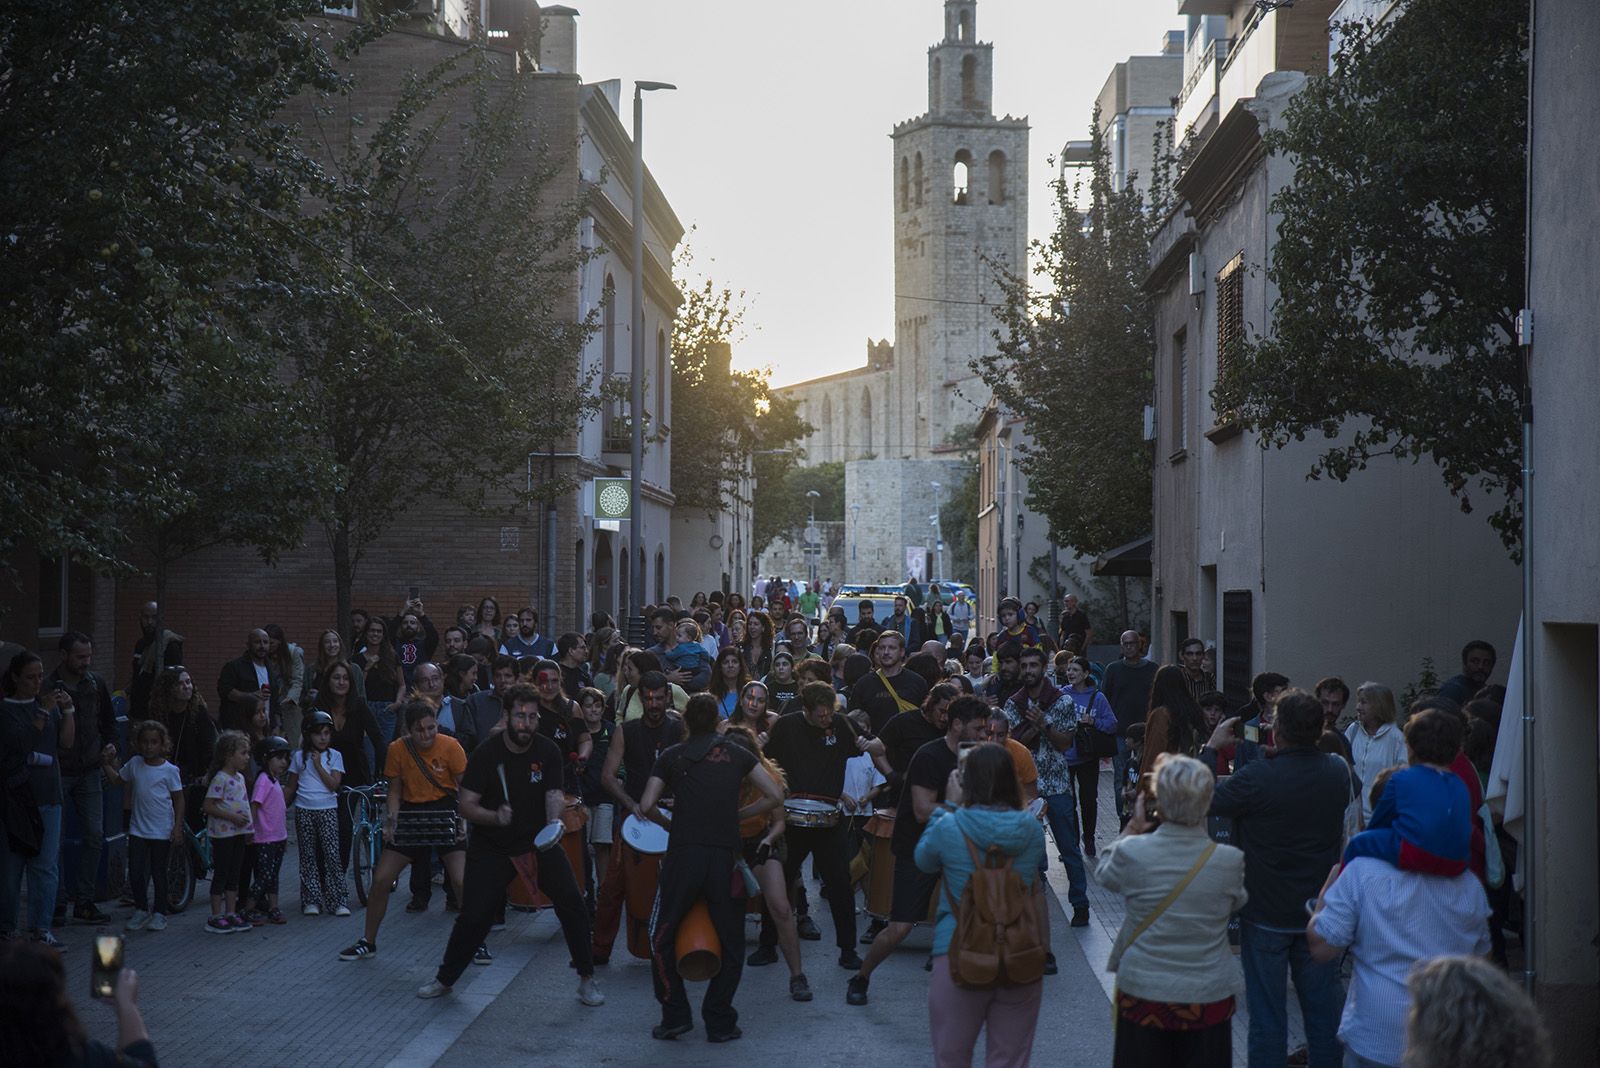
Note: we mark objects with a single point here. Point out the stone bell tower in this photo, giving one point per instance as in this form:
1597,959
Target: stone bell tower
960,211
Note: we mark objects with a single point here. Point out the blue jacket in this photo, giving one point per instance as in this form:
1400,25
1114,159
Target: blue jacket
942,850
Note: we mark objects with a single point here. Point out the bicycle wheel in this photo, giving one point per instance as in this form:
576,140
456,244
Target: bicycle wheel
362,848
180,877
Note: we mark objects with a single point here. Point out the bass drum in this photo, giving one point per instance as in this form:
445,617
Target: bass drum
641,877
523,893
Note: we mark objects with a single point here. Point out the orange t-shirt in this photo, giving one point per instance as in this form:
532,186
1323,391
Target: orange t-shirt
445,759
1022,761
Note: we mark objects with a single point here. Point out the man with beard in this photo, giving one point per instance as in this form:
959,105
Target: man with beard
510,790
890,689
523,638
998,688
905,624
415,640
245,684
864,622
1477,664
626,770
152,653
1043,718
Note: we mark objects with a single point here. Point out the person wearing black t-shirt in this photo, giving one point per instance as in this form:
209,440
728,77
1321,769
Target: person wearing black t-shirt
510,791
705,774
890,689
562,723
967,722
633,753
812,747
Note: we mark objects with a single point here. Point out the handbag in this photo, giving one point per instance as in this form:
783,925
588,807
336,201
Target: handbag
1090,741
1155,914
19,811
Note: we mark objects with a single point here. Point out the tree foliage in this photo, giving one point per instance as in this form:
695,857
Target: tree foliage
1399,257
958,514
1075,362
781,505
142,168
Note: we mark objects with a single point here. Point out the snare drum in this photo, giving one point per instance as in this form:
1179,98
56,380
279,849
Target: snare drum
811,812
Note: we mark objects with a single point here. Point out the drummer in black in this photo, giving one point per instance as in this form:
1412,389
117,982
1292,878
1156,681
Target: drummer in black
705,774
633,753
561,721
812,747
966,722
511,790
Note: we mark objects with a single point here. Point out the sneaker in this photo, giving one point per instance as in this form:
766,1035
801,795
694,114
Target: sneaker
482,956
1080,916
254,918
418,904
431,989
666,1031
311,910
86,912
276,916
219,925
499,925
808,929
240,923
725,1036
589,992
1050,965
45,938
849,959
137,921
763,955
158,921
342,910
799,989
855,991
873,929
361,951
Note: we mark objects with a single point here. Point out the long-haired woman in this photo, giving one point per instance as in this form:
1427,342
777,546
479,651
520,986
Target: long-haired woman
1175,723
330,651
752,711
489,619
384,676
728,677
353,729
757,644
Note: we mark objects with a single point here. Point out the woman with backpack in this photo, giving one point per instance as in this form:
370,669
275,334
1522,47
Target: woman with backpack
1176,978
982,822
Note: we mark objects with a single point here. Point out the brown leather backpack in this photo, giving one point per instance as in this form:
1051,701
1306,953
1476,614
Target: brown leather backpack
997,941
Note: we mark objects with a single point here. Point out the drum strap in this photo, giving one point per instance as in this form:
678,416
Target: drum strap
411,747
900,702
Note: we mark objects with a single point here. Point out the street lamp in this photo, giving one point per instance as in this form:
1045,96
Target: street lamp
855,511
812,546
636,366
938,533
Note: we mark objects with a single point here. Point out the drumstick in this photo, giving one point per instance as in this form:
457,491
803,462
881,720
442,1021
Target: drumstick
504,789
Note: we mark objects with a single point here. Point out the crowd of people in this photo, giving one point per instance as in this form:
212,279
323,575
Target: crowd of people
766,732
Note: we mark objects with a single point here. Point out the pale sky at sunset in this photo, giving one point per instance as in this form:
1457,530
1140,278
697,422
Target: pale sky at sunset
775,148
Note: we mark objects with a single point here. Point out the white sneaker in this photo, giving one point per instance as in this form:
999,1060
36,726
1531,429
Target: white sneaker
311,910
342,910
137,921
432,989
589,992
158,921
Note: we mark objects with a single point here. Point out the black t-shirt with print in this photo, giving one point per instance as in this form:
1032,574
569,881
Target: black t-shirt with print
812,759
930,768
902,737
565,727
642,746
529,776
705,775
870,694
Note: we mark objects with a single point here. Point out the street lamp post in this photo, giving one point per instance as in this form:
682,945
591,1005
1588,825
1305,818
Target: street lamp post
938,535
813,548
855,512
636,368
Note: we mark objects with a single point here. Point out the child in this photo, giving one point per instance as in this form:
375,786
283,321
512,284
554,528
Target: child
155,795
313,789
782,684
602,811
267,809
227,809
688,655
1423,820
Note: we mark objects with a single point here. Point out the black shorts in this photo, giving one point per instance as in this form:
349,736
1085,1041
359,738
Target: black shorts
422,855
913,892
747,846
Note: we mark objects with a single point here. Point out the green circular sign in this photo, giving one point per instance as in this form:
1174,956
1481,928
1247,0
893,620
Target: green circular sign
612,502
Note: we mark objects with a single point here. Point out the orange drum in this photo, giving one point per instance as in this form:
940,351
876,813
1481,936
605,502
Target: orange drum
523,892
698,948
641,874
880,879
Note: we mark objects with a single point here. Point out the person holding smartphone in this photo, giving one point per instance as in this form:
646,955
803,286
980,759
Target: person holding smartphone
38,1024
38,726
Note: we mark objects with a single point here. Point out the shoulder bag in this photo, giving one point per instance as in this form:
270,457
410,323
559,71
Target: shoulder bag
1090,741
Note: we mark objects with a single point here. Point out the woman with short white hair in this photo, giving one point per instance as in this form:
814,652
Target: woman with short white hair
1177,982
1376,741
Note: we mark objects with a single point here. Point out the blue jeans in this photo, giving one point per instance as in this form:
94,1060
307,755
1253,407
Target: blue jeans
1269,958
1061,810
1119,773
41,873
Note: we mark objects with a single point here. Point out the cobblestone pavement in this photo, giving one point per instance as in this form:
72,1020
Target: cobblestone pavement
277,995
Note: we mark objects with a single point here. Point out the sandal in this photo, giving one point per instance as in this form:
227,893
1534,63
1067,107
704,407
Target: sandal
276,916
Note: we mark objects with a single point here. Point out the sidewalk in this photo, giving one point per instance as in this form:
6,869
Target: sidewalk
1106,913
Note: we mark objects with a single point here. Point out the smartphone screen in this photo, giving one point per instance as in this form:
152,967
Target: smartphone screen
105,967
414,592
1252,733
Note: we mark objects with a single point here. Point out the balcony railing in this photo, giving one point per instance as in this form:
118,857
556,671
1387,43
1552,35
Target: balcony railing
1200,88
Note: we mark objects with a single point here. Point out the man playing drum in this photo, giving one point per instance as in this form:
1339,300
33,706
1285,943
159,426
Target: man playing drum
642,741
967,722
511,789
705,775
812,747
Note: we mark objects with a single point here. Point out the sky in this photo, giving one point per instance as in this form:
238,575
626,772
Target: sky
775,153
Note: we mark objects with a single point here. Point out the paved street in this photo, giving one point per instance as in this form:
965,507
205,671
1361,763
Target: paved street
278,996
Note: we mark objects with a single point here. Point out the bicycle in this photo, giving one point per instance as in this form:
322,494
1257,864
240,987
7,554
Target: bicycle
368,805
185,865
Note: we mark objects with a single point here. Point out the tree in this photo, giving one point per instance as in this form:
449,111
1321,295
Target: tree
437,263
1399,257
142,169
782,506
725,417
958,515
1075,363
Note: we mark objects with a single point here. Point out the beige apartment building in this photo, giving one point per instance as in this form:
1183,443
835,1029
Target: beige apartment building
1361,579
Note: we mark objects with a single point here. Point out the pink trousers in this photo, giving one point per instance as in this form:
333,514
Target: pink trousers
955,1016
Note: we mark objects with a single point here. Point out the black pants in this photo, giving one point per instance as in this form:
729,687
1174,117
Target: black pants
1151,1047
689,873
483,891
147,859
826,845
227,863
1086,777
421,879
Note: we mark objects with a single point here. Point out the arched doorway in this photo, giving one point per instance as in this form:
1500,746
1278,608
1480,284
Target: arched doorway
605,585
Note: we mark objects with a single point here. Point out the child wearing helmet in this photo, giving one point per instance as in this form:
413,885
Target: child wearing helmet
313,788
268,811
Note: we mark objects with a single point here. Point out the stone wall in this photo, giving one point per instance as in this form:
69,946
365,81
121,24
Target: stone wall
786,556
887,505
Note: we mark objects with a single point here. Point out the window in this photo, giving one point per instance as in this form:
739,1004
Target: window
52,595
961,176
1238,631
916,181
969,83
964,32
1178,392
997,177
1230,318
580,567
608,323
905,184
661,577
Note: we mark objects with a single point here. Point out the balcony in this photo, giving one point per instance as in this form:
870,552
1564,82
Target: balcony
616,432
1197,102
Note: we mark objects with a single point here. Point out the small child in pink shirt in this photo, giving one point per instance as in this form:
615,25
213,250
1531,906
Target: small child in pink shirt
272,827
